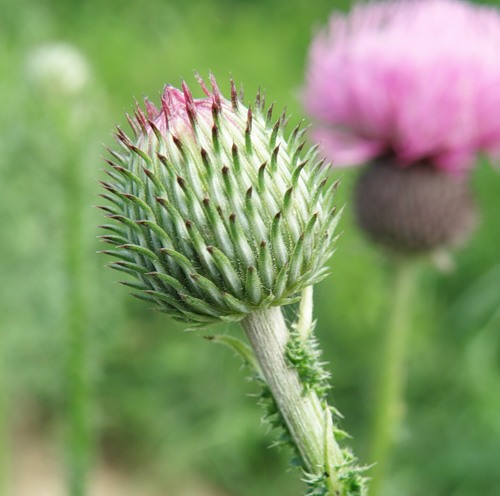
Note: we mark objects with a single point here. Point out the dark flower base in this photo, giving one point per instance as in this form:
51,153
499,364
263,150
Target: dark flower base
416,209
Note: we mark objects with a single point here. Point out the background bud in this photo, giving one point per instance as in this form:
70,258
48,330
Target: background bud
58,69
215,213
414,209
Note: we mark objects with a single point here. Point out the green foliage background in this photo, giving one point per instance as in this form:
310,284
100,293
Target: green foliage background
170,404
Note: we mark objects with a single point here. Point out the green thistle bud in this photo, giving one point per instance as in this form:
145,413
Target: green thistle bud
215,213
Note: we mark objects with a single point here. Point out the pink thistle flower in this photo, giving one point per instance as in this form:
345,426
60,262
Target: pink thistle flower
417,80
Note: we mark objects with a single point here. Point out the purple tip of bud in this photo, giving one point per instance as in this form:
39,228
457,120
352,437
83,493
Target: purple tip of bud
151,109
249,121
215,91
189,103
202,84
234,95
140,117
181,116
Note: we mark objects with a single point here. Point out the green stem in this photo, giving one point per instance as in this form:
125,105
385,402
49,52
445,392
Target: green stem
307,417
4,438
389,407
79,436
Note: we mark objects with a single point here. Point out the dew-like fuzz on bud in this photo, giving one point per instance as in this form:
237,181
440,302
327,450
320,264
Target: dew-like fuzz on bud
416,209
214,211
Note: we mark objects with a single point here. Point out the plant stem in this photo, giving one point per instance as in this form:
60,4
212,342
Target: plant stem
389,407
306,417
4,437
79,435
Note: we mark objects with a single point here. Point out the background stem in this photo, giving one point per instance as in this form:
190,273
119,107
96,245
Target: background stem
79,435
389,407
4,419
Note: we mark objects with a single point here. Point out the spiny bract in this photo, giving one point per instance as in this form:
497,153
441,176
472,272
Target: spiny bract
215,213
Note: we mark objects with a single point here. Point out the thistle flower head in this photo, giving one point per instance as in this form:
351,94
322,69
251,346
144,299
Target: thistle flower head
416,79
215,213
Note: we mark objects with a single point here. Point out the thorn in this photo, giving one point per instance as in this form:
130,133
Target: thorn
151,109
269,115
274,158
155,130
234,96
162,159
236,157
165,108
201,83
178,143
215,138
204,157
132,124
215,112
248,129
189,104
181,182
139,115
261,173
215,90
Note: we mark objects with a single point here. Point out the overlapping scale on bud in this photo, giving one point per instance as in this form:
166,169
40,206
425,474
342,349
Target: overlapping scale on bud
213,211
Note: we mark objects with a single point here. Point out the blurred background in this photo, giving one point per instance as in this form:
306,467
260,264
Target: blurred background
172,414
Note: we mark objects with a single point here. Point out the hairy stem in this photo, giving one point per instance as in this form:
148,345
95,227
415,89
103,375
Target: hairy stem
389,407
306,416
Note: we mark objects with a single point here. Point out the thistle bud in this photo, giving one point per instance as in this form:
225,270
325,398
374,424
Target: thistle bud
58,69
414,209
215,213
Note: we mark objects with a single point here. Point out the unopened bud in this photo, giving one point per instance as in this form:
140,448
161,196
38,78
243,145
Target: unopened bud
215,212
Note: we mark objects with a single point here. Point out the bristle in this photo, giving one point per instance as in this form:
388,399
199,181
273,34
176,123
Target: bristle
189,104
215,91
248,133
155,130
202,84
274,134
133,125
140,116
274,158
236,157
234,96
269,114
151,109
165,105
